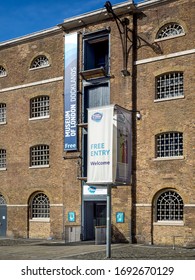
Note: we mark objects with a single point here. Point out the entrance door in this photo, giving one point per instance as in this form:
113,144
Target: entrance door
100,214
89,233
94,215
3,220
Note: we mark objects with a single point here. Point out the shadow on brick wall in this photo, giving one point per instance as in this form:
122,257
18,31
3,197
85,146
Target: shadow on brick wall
118,236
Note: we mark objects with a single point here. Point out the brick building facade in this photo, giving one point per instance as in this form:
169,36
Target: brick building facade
146,66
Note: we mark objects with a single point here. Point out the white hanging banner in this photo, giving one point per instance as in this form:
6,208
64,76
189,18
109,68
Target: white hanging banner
109,146
100,145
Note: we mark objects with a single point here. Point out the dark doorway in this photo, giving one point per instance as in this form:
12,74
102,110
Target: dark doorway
94,215
3,220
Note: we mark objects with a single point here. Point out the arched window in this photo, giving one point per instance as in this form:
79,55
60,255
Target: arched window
169,206
2,158
2,71
39,106
39,62
2,113
2,200
40,206
170,30
39,155
169,85
169,144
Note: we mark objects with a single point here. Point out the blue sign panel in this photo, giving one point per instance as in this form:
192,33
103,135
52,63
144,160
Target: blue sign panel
70,92
120,217
71,217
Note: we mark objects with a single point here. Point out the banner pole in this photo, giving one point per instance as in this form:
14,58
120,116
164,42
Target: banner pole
108,223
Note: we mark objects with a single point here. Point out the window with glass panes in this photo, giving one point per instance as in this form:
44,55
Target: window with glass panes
2,112
39,155
169,85
96,50
169,144
40,207
2,200
2,158
39,106
40,61
170,30
169,207
2,71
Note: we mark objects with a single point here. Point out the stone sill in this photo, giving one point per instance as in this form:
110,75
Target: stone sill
40,67
39,166
40,220
169,158
169,98
169,223
39,118
3,169
169,37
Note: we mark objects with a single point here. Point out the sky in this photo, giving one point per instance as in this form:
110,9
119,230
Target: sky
23,17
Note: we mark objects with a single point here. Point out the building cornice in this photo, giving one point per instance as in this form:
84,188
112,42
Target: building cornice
149,3
95,16
100,15
31,36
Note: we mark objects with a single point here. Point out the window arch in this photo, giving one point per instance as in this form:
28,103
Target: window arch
3,72
39,62
39,155
169,85
171,29
2,113
2,200
169,144
169,206
40,206
39,106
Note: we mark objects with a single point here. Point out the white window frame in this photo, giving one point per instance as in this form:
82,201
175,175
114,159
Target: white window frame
169,208
169,86
40,61
2,200
39,156
40,209
169,145
170,30
3,115
3,72
3,159
40,107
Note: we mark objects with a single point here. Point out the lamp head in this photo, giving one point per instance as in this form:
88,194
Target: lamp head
108,7
138,115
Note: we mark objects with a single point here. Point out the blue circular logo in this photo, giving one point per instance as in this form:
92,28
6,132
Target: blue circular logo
92,189
97,117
